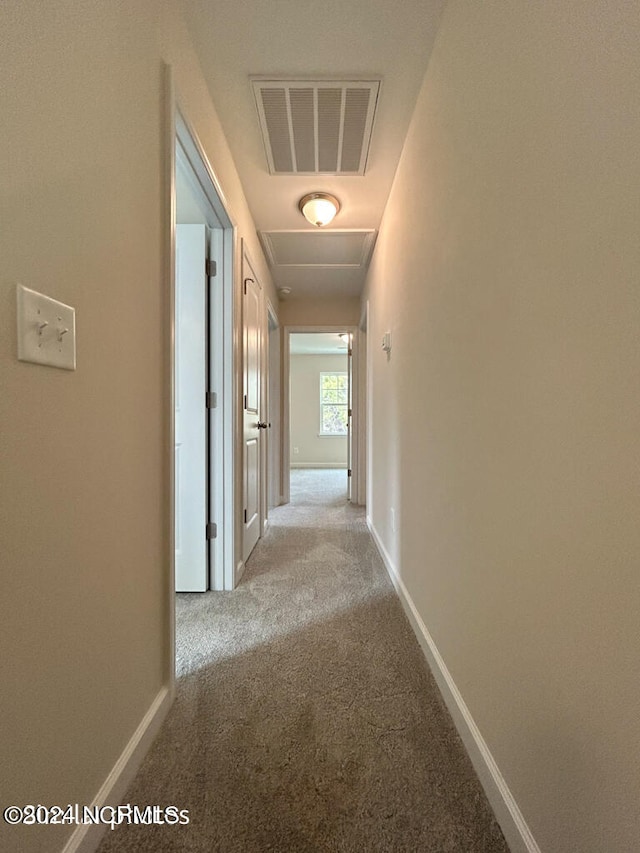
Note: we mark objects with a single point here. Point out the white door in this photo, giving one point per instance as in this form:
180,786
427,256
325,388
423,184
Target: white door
190,409
253,426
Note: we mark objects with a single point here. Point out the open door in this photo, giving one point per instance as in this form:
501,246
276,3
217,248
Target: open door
202,353
191,570
253,425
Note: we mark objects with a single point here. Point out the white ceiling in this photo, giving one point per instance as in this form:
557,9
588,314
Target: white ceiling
294,39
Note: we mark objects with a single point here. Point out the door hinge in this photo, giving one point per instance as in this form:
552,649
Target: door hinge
212,530
349,412
348,472
211,268
349,352
211,400
245,401
245,516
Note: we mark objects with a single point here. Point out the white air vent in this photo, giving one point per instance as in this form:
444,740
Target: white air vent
312,127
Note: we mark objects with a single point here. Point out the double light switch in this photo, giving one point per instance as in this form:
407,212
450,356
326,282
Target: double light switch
46,330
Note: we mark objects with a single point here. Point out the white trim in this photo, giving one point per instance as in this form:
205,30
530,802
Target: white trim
322,434
515,828
223,458
286,414
285,422
362,386
239,572
86,838
169,360
272,411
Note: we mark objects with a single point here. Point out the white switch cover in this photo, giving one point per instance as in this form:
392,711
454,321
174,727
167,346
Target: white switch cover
46,330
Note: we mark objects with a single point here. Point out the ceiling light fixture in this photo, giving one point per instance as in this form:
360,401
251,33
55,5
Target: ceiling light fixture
319,208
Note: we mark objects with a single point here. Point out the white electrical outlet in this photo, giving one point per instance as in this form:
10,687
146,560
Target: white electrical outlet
46,330
296,450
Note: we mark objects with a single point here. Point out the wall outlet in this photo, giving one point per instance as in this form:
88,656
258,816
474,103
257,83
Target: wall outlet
296,450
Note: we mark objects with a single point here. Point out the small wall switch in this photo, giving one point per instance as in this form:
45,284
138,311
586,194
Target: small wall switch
386,342
46,330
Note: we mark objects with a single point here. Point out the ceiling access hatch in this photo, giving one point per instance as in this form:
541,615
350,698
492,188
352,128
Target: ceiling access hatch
318,248
316,127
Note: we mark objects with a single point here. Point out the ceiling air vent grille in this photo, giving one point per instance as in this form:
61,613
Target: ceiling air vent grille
312,128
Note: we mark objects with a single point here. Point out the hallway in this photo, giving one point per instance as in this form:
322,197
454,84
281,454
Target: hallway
305,718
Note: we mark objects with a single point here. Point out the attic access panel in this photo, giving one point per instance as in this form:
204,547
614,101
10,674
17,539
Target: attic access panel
316,127
318,248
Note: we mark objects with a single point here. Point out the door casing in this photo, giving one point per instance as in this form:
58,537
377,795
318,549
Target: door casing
272,490
177,128
286,405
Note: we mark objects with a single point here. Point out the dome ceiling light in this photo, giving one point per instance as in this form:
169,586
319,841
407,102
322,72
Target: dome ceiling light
319,208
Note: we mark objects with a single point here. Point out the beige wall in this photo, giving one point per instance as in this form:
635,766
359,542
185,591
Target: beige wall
83,459
313,450
505,425
319,312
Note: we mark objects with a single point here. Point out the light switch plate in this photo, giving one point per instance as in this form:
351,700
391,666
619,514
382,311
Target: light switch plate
46,330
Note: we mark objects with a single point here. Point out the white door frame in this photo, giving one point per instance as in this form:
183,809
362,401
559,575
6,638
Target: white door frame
364,400
286,404
222,374
177,127
271,380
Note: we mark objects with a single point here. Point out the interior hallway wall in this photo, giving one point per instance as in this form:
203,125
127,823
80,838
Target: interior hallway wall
319,312
505,424
83,456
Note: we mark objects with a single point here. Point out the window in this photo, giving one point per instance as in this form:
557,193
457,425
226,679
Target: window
334,392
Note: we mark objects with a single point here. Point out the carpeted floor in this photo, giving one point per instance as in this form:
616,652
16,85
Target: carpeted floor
306,719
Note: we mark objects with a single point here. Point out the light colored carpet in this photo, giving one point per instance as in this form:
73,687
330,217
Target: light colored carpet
306,719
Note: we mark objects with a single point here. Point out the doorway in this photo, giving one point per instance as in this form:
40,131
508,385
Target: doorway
202,373
320,416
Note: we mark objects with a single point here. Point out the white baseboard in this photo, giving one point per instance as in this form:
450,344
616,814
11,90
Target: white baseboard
86,838
507,812
239,573
339,465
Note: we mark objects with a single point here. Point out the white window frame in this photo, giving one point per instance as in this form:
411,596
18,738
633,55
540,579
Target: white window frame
321,432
